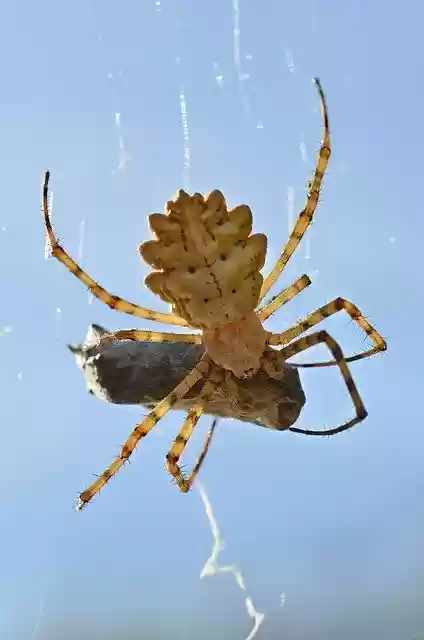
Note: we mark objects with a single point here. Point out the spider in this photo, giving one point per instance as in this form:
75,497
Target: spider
208,269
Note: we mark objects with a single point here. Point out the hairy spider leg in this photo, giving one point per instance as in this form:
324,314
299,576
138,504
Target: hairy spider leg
339,304
203,453
185,433
174,454
138,335
283,297
309,341
306,215
143,428
112,301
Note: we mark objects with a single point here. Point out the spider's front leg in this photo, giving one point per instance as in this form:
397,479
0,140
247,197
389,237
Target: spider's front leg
323,337
112,301
307,214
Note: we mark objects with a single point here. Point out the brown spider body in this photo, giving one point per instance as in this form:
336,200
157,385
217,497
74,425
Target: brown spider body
208,268
210,273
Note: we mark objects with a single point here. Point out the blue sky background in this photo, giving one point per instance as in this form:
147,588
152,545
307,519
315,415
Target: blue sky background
334,524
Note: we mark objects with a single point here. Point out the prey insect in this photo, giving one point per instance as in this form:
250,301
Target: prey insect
207,267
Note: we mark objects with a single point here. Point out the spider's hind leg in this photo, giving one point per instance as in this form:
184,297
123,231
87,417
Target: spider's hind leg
174,469
309,341
185,433
143,428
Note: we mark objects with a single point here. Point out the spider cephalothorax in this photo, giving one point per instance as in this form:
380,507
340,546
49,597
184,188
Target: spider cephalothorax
208,268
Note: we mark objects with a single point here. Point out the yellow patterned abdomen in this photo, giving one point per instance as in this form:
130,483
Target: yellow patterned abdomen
208,262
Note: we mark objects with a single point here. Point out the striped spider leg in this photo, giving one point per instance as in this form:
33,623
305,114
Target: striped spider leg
302,224
327,310
306,343
212,380
112,301
186,431
307,214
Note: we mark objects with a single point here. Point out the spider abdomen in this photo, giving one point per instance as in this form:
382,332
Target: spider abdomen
208,262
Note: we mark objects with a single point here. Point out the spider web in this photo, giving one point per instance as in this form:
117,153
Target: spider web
212,567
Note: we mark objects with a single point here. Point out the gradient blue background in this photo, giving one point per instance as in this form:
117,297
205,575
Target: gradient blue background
334,524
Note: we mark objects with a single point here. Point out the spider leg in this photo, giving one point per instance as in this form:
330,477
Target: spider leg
112,301
203,453
143,428
315,338
186,431
305,216
339,304
283,297
150,336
